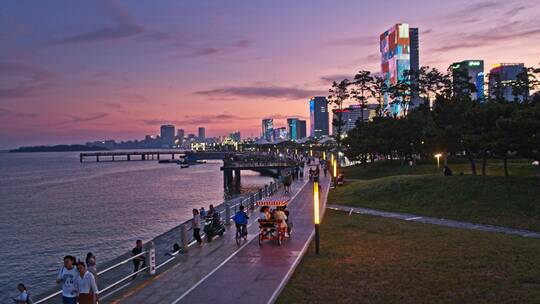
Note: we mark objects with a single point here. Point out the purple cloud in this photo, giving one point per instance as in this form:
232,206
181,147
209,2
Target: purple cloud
10,113
261,92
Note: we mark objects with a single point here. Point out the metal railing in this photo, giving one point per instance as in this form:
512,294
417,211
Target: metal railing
113,275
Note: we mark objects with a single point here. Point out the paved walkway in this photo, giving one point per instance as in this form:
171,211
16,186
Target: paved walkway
435,221
223,272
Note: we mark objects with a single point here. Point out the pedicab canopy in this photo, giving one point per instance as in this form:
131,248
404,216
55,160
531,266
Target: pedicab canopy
274,201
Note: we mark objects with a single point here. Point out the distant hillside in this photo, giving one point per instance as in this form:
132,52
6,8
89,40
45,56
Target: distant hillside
59,148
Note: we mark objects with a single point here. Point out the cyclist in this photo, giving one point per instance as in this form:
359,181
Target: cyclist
241,220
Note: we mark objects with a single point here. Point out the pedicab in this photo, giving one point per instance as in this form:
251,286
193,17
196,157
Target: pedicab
271,229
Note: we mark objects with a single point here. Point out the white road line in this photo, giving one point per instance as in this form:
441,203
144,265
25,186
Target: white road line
289,273
226,260
413,218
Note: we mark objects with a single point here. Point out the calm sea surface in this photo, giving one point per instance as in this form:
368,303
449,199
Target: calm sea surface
51,206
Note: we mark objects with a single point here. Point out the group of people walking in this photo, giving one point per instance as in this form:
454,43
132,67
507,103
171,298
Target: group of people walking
78,280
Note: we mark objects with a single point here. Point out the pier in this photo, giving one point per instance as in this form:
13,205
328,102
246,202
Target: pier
190,156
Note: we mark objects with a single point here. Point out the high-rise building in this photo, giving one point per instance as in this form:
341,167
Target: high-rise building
318,116
292,125
350,115
502,77
280,133
202,133
268,129
180,133
167,134
474,71
302,129
399,48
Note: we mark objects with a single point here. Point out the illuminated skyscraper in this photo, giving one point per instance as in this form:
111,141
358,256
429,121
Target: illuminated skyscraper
302,129
318,116
474,70
399,53
502,76
268,129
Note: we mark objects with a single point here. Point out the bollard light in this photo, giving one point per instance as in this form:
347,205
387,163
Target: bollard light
335,168
310,153
438,156
324,155
332,159
316,216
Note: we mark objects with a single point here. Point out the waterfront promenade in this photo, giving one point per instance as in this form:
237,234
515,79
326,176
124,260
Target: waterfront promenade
223,272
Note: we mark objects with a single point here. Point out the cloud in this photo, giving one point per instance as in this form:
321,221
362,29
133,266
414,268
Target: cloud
292,93
211,50
471,11
86,118
18,80
198,120
353,41
10,113
124,26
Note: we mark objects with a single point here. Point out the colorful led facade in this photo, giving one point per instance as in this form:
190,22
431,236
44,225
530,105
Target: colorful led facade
318,117
399,48
268,129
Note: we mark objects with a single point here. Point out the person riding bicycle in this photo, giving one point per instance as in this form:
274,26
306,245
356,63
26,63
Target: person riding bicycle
241,220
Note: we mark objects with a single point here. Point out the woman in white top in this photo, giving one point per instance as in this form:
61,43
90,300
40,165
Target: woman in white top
23,296
86,285
280,215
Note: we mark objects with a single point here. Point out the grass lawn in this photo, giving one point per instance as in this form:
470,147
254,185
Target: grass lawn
517,167
512,201
375,260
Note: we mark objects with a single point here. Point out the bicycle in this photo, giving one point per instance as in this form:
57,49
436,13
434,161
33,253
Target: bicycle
241,232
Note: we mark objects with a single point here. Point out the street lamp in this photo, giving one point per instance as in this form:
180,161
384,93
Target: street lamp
316,217
438,156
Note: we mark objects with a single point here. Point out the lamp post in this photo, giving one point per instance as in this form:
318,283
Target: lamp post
316,218
438,156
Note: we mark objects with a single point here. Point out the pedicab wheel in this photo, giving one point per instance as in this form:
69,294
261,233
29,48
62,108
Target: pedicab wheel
260,239
279,239
208,238
221,233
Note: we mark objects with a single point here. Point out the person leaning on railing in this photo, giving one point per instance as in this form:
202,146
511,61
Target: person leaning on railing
138,260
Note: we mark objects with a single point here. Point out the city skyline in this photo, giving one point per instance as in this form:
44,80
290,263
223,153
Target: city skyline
108,69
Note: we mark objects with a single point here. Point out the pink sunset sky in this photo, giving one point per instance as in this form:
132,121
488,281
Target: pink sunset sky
74,71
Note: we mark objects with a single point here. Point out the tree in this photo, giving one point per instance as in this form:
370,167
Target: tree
362,89
379,90
338,94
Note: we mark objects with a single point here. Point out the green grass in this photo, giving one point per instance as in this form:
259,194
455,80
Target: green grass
375,260
512,202
494,168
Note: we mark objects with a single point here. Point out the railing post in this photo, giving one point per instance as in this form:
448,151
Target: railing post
184,237
227,213
151,258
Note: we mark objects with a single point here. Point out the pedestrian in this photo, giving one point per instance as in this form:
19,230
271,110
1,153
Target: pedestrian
91,264
24,296
67,276
325,169
211,211
196,226
202,213
86,285
138,260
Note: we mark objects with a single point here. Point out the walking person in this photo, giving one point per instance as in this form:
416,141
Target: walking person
66,277
24,296
196,226
138,260
86,285
91,264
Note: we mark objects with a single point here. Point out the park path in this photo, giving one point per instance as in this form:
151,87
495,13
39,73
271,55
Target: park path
435,221
223,272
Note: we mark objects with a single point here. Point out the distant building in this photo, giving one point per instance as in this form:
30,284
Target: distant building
281,134
302,129
167,134
351,115
235,136
502,77
268,129
474,70
399,48
318,116
180,134
202,133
